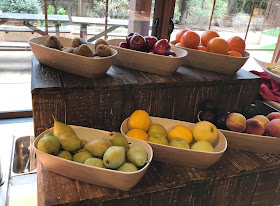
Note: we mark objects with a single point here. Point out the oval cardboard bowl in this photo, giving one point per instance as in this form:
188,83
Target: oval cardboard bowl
145,62
214,62
89,174
183,157
265,65
252,143
80,65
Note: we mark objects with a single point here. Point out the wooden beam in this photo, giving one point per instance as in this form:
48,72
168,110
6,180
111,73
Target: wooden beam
46,17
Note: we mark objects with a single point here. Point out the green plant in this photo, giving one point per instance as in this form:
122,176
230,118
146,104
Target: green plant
199,12
116,9
21,6
51,9
61,11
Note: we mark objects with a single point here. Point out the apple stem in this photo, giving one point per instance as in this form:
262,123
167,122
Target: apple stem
53,118
198,116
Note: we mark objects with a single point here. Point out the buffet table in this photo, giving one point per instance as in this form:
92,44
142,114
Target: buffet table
239,178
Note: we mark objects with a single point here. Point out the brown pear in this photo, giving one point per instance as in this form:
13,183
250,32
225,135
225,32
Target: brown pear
54,42
84,50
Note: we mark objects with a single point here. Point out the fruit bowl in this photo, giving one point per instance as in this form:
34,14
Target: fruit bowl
214,62
265,65
80,65
93,175
183,157
252,143
142,61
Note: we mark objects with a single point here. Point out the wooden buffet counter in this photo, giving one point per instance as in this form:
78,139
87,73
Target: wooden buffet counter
239,178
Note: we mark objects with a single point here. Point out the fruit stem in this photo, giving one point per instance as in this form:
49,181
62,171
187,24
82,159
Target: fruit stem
53,118
198,116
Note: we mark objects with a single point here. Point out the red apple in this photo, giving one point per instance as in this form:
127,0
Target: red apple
172,54
150,42
162,47
137,42
128,37
123,45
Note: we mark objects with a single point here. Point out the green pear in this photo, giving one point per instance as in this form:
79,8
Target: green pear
60,128
128,167
118,139
137,155
98,147
69,142
158,139
49,144
157,129
65,155
114,157
96,162
81,157
179,142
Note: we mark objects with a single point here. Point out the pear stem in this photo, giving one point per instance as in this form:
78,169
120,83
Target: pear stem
198,116
53,118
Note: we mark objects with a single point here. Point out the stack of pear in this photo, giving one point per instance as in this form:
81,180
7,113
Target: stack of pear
66,135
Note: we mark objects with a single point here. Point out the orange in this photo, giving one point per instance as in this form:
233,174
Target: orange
179,34
139,119
234,54
180,131
137,134
236,44
207,36
190,39
173,42
202,48
218,45
179,44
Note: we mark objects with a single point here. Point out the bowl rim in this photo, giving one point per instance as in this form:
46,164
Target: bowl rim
251,135
265,69
182,149
146,53
30,41
34,145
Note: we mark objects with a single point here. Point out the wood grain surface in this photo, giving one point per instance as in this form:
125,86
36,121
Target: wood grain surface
238,178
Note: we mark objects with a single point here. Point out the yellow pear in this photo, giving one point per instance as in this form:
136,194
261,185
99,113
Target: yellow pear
59,128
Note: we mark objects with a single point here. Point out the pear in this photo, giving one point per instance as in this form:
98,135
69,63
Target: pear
103,50
128,167
157,129
84,50
69,141
49,144
96,162
114,157
81,157
100,41
137,156
60,128
98,147
78,41
158,139
179,142
118,139
83,143
54,42
65,155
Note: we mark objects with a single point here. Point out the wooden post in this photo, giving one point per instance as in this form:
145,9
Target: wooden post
248,27
212,13
46,17
106,20
79,7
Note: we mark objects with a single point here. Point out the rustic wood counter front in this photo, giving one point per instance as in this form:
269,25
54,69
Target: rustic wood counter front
239,178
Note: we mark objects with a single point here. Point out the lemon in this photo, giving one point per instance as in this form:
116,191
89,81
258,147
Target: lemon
180,131
137,134
202,146
205,131
139,119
